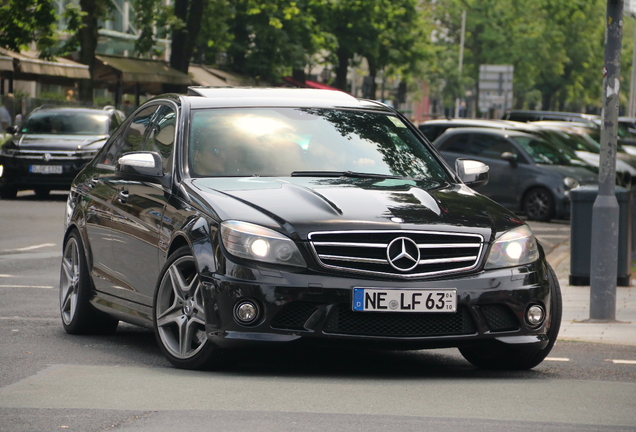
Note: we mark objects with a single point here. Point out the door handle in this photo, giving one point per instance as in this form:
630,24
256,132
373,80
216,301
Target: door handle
123,196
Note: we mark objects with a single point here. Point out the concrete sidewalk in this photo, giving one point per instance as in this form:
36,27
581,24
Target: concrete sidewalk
576,307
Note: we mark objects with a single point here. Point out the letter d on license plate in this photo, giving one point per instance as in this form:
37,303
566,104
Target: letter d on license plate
404,300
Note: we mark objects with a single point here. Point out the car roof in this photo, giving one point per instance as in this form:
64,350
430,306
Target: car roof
206,97
499,132
462,121
73,109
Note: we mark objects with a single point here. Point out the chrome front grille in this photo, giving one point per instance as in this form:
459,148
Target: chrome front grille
404,254
54,155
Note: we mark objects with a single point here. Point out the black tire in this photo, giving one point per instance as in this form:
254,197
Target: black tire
42,192
521,358
539,205
78,315
8,192
179,315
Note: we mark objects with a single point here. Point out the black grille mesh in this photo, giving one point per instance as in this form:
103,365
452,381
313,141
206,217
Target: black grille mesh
293,316
499,318
342,320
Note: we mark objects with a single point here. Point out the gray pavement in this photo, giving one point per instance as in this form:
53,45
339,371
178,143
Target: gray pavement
576,302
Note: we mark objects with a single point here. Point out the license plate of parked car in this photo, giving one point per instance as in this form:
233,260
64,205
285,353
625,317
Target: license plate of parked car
404,300
46,169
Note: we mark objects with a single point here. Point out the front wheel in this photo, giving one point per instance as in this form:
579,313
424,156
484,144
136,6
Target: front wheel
538,205
521,358
179,314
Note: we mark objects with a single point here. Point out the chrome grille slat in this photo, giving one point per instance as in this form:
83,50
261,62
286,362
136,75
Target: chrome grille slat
367,252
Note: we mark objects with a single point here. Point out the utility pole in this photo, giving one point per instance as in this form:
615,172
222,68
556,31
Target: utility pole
461,60
605,212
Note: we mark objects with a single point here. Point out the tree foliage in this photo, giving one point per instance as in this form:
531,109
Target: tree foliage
25,21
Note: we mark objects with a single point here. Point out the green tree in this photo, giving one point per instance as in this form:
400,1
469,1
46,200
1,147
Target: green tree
26,21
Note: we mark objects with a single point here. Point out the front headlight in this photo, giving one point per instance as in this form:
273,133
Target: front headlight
570,183
254,242
512,248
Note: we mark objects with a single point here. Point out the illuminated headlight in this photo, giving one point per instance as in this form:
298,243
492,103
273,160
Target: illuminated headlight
512,248
1,170
570,183
254,242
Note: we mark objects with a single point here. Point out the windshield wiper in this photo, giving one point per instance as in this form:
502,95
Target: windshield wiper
344,174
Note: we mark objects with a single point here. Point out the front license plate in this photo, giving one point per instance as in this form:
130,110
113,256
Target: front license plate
46,169
403,300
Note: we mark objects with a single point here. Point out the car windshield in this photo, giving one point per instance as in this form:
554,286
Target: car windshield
66,123
306,141
543,152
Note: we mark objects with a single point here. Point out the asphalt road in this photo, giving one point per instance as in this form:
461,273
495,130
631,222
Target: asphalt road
51,381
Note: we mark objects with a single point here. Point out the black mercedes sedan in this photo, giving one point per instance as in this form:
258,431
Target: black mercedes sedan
231,217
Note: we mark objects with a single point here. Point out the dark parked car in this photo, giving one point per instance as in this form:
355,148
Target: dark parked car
240,216
527,173
51,146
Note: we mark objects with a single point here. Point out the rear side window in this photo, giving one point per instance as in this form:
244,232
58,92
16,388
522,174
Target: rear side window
432,132
131,139
458,143
491,147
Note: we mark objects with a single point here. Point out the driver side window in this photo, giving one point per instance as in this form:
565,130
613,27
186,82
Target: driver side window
131,139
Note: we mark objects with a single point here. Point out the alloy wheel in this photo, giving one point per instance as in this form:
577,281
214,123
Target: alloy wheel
179,313
69,284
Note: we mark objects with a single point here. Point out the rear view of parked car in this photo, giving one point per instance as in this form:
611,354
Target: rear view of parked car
51,146
527,174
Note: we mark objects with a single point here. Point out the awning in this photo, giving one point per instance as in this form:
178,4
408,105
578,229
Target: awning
6,63
309,84
29,64
134,70
200,76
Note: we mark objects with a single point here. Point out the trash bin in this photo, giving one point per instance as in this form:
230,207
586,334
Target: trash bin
582,204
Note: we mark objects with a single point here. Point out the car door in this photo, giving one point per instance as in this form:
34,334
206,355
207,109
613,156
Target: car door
106,222
138,206
503,176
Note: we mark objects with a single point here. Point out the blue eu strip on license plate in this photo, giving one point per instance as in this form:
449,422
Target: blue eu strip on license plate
404,300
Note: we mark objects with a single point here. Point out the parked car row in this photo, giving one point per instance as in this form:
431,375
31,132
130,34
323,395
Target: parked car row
534,165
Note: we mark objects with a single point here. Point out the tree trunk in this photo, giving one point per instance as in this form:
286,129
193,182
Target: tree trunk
184,39
342,69
373,73
88,44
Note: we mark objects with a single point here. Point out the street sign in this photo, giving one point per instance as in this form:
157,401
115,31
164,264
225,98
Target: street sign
495,87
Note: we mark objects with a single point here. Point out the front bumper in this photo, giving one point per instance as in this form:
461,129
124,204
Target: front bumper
300,307
59,174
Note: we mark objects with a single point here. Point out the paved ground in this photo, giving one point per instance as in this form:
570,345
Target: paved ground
576,299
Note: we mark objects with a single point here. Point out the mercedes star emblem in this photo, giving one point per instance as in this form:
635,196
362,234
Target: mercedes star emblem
403,254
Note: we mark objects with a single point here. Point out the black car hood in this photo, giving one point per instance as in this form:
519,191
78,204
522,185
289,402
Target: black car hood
303,205
59,142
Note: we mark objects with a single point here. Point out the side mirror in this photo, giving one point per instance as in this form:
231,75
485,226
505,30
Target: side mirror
473,173
510,157
147,164
12,130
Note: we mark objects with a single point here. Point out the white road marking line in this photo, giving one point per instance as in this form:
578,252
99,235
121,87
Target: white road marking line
26,286
630,362
35,247
6,276
558,359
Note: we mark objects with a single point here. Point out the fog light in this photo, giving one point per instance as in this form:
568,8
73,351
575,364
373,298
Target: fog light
246,312
535,315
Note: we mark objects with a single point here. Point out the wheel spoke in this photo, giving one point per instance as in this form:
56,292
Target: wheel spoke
178,282
169,317
186,333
